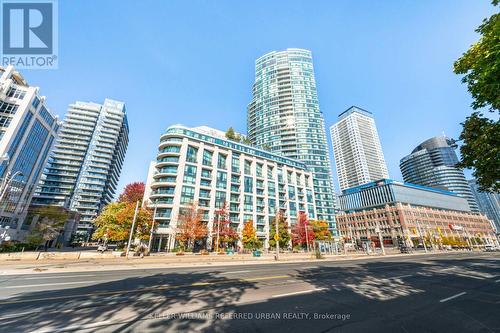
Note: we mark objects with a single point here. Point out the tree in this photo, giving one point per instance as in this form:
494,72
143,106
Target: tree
51,220
249,237
132,193
245,140
480,66
481,150
283,232
299,235
222,225
230,134
115,221
320,229
190,228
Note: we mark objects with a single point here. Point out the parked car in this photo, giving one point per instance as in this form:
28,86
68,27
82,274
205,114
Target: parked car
491,248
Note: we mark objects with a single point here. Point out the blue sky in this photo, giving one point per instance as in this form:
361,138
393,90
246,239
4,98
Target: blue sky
192,62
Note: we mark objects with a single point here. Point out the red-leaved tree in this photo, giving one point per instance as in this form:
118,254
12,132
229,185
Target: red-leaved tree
132,193
299,235
222,226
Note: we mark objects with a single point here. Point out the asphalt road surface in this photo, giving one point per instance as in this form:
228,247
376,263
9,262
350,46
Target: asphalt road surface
434,293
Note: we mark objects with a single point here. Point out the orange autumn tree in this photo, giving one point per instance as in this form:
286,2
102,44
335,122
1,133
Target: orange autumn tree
189,226
249,237
115,220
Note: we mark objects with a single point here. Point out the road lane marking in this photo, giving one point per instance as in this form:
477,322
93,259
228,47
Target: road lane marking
235,272
497,281
298,292
468,275
452,297
402,276
266,278
48,284
143,290
56,277
200,284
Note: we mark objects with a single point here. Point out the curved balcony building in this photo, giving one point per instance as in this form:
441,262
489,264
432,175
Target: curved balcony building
433,163
200,165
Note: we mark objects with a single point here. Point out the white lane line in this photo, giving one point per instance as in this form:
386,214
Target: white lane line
497,281
235,272
73,327
298,292
56,277
48,284
452,297
468,275
402,276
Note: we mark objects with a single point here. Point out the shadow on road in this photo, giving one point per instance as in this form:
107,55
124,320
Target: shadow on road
389,296
126,301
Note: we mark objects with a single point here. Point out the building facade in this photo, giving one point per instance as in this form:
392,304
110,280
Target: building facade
409,212
284,116
433,163
199,165
83,170
488,203
357,150
27,132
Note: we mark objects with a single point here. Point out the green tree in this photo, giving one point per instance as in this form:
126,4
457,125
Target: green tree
481,150
480,66
51,220
283,231
230,134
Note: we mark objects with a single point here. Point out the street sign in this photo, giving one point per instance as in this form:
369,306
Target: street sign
276,237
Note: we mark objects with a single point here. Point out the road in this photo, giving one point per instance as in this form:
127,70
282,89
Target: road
456,292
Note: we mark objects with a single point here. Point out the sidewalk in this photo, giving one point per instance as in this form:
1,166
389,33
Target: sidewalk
173,261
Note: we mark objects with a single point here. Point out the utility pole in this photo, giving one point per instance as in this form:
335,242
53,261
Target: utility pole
380,238
152,228
277,237
307,237
421,237
132,229
218,233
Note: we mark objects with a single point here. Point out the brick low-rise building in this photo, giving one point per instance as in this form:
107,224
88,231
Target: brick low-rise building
408,212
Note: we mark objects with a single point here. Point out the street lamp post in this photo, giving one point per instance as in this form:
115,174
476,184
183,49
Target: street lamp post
307,237
421,236
152,228
380,238
132,228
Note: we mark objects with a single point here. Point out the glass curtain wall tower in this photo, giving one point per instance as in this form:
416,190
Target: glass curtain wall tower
284,117
433,163
83,171
27,132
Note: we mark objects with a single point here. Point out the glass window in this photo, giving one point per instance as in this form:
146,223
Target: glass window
248,203
191,154
207,157
189,174
248,184
248,167
221,162
235,165
258,170
221,180
187,194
